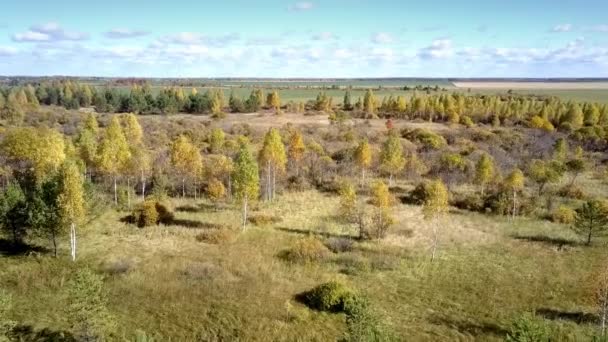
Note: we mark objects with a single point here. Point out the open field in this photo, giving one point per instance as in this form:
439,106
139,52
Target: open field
162,280
533,85
304,91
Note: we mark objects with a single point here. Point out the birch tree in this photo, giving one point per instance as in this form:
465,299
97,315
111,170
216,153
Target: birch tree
435,205
71,202
273,157
246,179
114,153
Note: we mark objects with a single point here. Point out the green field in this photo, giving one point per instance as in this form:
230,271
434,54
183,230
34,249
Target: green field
304,91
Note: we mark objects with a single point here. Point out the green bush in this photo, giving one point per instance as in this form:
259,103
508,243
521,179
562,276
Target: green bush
425,137
306,250
362,323
564,215
151,213
146,214
331,296
528,329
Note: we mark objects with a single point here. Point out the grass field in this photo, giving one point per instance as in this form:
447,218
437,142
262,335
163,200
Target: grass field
304,91
163,281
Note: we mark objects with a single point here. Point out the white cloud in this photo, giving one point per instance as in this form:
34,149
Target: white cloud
121,33
562,28
7,51
193,38
439,48
302,6
599,28
48,32
382,38
324,36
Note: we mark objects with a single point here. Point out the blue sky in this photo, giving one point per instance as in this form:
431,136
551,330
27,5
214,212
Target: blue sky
316,38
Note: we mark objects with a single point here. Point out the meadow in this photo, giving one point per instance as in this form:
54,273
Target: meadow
506,250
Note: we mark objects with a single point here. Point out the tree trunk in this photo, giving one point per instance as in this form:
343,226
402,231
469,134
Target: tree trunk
115,192
268,181
244,212
143,186
362,176
390,180
54,239
73,241
229,187
183,187
274,181
514,203
195,188
129,192
435,241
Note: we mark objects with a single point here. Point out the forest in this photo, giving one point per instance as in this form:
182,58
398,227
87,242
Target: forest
178,214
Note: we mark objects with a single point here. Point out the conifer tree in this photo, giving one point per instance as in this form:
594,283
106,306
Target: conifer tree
347,105
369,102
217,138
273,101
87,310
591,220
560,150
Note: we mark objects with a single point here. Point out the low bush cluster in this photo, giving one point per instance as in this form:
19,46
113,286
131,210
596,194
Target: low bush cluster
306,250
564,215
217,236
332,296
260,220
151,213
340,245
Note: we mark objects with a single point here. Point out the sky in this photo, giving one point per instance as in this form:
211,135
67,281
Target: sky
308,39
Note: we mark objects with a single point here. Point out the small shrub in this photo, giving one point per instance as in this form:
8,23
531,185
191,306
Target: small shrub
419,195
118,267
425,137
340,245
260,220
165,214
306,250
353,264
331,296
146,215
217,236
363,324
528,329
465,120
573,192
471,202
564,215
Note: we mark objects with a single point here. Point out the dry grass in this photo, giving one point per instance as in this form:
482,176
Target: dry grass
180,289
